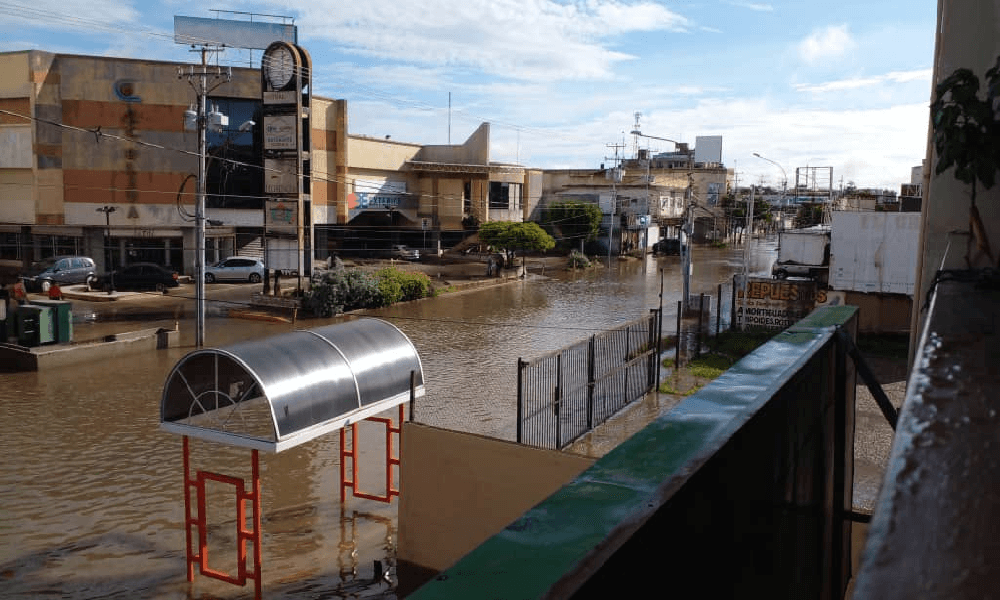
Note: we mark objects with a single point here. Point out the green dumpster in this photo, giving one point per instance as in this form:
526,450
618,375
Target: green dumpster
62,314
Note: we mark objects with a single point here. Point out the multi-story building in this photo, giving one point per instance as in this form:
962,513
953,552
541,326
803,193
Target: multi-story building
654,187
95,160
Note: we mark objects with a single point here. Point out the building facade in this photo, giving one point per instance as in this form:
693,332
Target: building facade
95,160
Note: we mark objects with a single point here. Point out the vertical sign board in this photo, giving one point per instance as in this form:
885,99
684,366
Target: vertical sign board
775,303
286,85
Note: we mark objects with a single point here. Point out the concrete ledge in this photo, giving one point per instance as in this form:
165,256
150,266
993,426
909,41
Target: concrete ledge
15,358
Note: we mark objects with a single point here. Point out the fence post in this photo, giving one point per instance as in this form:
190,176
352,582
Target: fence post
590,383
718,316
677,357
651,348
413,394
520,401
701,314
625,361
558,400
732,306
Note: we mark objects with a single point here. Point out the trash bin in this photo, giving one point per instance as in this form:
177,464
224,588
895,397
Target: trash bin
35,325
62,316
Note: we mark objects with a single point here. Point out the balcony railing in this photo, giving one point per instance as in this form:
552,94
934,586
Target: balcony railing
742,490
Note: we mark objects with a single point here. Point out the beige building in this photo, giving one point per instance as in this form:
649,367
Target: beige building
656,187
95,160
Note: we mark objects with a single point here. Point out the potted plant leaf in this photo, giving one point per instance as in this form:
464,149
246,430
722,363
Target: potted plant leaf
967,137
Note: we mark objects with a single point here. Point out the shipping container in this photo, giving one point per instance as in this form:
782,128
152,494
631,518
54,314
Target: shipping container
874,252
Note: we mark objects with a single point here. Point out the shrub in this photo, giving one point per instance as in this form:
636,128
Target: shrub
577,260
401,286
333,292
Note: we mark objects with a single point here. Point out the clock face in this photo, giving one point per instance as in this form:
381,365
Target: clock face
279,67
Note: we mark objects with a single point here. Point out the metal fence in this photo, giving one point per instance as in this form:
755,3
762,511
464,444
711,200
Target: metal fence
564,394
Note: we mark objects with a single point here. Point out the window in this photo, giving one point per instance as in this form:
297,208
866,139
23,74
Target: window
234,178
505,195
10,248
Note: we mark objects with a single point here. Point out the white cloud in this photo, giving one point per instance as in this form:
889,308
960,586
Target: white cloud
864,82
831,42
522,39
751,5
56,14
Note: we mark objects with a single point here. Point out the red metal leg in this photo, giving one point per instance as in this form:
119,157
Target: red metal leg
187,514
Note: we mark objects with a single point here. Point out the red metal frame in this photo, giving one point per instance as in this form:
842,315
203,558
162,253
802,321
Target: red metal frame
243,535
390,460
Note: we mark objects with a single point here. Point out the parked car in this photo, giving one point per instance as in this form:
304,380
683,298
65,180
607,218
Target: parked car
239,268
405,253
668,246
140,276
63,270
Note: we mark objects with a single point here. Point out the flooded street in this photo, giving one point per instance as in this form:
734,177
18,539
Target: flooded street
92,491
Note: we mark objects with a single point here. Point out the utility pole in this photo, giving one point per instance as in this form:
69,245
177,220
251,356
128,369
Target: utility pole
688,230
615,175
198,79
746,260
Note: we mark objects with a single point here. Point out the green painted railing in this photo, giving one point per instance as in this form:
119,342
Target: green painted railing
740,491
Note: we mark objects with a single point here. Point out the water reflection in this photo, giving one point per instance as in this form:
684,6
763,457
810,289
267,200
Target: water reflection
92,490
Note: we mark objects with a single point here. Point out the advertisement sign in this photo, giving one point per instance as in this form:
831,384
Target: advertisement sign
775,303
285,97
279,176
281,215
280,133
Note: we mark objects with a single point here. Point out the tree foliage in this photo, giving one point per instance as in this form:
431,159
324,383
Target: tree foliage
967,137
509,237
572,221
966,129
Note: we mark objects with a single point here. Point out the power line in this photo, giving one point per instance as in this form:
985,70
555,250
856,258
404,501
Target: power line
24,11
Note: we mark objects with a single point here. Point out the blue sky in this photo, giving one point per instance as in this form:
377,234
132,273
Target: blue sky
843,84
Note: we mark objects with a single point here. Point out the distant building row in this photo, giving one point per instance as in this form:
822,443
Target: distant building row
59,173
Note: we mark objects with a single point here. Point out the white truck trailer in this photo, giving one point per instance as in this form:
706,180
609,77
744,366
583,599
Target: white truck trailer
804,253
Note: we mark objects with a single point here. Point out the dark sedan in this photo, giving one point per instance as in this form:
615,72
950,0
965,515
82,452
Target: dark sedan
140,276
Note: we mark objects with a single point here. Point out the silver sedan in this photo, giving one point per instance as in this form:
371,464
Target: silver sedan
238,268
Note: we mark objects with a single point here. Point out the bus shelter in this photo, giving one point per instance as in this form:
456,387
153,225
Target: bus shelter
277,393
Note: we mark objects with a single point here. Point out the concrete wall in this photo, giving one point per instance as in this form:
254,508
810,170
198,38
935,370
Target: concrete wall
458,489
967,37
474,151
379,155
881,313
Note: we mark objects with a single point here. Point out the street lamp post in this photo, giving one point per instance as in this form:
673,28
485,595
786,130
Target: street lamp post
107,210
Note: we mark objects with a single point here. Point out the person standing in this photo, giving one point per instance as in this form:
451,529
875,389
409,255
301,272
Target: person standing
19,293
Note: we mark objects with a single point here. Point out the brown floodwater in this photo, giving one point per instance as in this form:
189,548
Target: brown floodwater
91,489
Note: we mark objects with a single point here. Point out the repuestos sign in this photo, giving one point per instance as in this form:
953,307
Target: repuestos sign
775,304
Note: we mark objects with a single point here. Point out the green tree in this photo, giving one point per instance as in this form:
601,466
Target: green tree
510,237
967,137
573,222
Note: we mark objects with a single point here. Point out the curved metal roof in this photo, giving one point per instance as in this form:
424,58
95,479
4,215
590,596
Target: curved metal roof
280,392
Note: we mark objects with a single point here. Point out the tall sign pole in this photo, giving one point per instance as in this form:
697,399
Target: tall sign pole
286,84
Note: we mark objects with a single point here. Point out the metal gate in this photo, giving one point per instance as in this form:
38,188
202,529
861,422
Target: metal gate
564,394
